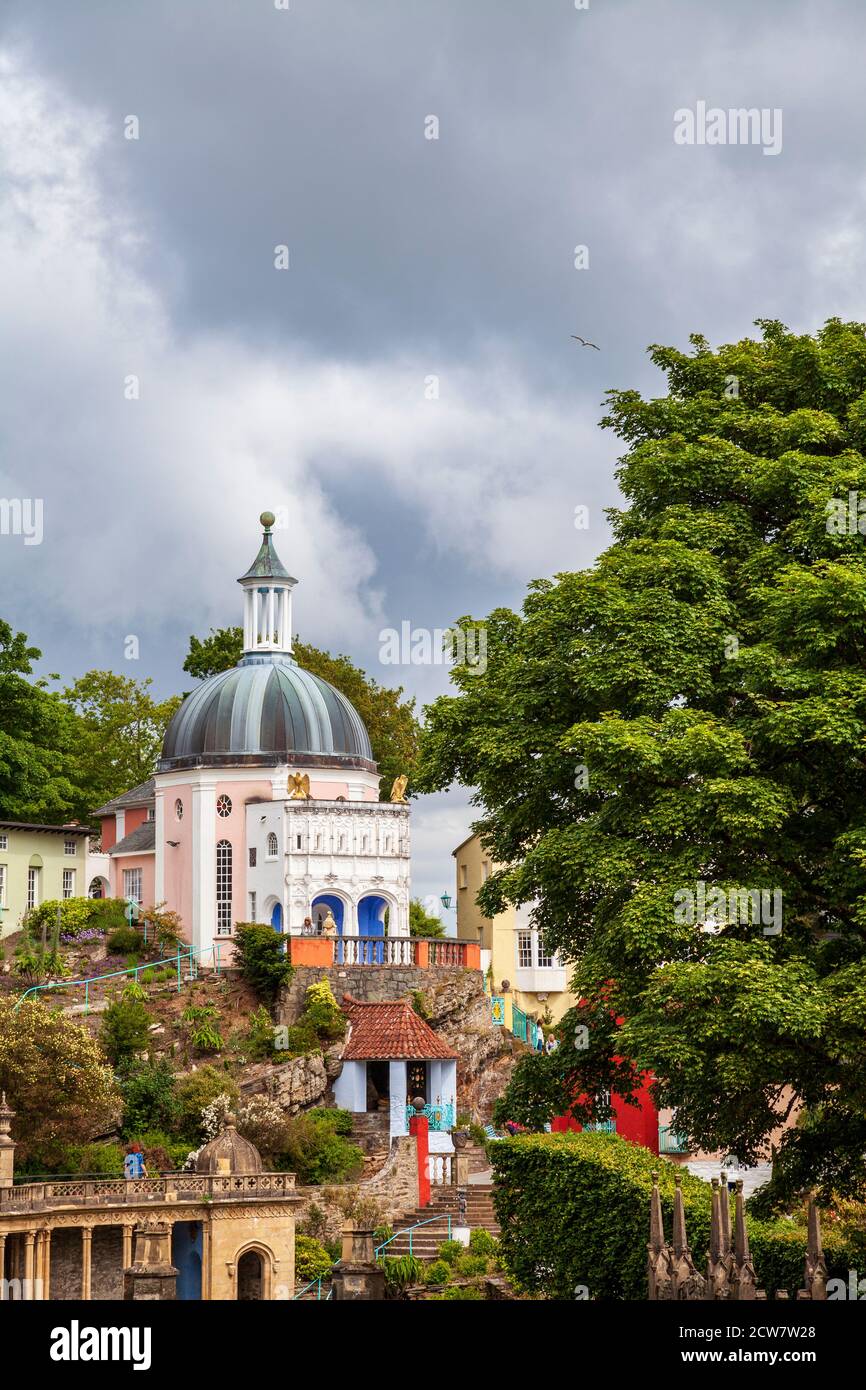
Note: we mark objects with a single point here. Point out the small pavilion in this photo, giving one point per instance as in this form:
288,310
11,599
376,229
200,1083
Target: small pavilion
391,1057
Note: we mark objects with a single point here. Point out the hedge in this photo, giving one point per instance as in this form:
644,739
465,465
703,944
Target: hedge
574,1210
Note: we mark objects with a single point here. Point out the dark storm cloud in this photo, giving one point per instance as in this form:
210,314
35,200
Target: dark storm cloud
409,257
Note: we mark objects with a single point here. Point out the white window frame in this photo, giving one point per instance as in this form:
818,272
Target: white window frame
273,846
224,888
70,847
4,840
524,950
32,886
133,884
2,885
252,907
68,889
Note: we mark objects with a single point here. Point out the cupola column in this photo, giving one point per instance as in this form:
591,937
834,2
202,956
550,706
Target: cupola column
267,587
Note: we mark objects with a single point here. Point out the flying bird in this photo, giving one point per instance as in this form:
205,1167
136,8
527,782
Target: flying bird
583,342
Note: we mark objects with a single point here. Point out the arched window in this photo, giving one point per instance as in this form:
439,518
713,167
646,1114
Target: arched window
272,846
224,887
224,806
178,809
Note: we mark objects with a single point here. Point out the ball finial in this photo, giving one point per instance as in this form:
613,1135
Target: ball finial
267,519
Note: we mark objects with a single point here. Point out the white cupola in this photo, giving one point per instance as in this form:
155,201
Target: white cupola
267,587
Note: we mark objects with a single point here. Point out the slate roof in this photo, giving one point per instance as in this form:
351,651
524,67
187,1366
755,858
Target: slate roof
391,1031
265,710
142,795
267,564
47,829
142,840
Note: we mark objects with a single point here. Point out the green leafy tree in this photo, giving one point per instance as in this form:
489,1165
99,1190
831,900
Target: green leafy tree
422,923
691,711
125,1030
194,1092
389,720
149,1100
119,732
36,739
55,1078
260,955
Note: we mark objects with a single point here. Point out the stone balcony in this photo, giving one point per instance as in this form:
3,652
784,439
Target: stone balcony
172,1187
373,951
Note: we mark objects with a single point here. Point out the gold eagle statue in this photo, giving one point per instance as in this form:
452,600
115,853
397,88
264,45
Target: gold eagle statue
398,790
300,786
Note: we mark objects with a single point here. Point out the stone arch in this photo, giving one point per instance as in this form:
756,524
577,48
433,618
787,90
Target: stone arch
273,909
340,904
98,887
254,1273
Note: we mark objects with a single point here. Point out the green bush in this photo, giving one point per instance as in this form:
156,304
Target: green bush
194,1092
259,1042
316,1150
125,1030
124,941
149,1100
323,1012
450,1250
439,1272
481,1242
77,915
470,1266
203,1023
163,1153
260,954
401,1271
574,1209
336,1120
312,1260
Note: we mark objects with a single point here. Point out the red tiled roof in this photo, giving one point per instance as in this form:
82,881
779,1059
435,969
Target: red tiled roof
390,1031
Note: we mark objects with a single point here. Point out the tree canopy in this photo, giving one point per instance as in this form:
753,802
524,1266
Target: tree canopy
56,1080
389,720
119,729
35,738
688,717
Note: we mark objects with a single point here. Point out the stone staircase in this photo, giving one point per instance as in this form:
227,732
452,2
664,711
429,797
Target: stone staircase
443,1203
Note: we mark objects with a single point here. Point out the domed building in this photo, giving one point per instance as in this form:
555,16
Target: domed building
265,803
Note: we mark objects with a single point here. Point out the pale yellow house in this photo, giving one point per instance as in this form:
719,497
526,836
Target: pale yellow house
40,863
513,954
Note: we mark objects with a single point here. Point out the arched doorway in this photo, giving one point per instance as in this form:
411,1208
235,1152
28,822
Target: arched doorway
277,917
371,922
251,1277
319,912
98,887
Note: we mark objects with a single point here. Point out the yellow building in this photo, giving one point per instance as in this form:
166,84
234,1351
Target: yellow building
513,955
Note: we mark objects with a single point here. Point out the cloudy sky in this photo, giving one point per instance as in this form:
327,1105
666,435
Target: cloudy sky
410,259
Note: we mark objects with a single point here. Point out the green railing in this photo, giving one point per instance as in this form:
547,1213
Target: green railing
194,956
317,1285
672,1143
524,1027
407,1230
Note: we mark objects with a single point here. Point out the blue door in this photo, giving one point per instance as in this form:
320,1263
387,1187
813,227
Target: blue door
277,917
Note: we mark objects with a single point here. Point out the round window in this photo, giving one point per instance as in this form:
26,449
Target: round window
224,806
178,809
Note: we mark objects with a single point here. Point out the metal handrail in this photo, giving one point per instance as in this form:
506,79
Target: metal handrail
132,970
307,1288
407,1231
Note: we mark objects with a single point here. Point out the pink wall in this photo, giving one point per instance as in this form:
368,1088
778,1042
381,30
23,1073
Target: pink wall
145,862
